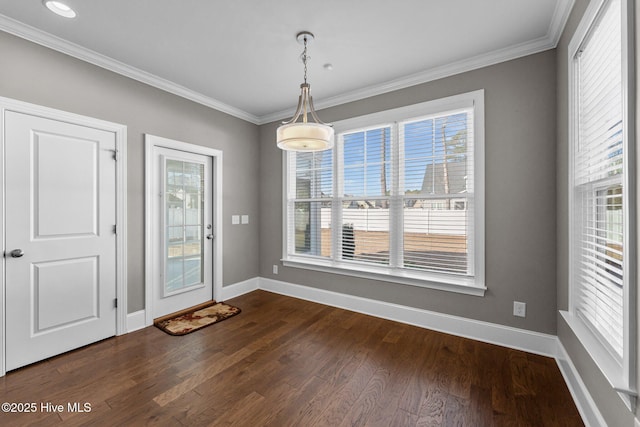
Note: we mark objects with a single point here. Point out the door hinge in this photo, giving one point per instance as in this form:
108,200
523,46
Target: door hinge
115,229
115,155
115,303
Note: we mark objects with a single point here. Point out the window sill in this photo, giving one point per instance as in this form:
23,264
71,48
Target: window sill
608,365
461,285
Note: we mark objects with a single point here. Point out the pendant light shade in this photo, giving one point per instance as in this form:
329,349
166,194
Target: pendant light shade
303,135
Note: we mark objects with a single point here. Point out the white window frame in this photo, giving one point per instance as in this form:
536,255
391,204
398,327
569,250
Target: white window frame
621,374
470,285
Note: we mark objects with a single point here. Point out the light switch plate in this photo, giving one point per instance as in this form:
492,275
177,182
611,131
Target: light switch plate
235,219
245,219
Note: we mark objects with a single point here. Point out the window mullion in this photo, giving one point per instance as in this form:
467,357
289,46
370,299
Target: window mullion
314,210
336,205
470,202
396,228
290,176
629,196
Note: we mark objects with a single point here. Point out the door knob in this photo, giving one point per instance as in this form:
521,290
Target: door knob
16,253
210,236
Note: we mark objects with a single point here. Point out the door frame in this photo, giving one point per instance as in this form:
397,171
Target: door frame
151,142
120,132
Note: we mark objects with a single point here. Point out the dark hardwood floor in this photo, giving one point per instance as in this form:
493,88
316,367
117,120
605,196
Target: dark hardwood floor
287,362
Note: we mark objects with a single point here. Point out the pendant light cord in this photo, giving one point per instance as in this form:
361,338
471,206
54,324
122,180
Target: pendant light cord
304,58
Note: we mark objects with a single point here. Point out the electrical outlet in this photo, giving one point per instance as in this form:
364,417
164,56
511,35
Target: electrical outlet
275,269
519,309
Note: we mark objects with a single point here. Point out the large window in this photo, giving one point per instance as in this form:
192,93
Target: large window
602,207
400,197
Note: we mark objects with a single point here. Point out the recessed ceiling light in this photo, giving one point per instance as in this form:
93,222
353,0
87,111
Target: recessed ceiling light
60,8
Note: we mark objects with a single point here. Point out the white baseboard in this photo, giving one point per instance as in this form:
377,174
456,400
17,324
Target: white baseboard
240,288
581,396
520,339
506,336
136,320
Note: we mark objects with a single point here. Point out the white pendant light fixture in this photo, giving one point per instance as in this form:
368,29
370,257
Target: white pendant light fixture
305,135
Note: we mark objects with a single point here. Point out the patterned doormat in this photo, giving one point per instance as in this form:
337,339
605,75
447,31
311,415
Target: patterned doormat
195,318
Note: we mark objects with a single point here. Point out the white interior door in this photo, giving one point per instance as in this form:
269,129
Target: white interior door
60,237
182,230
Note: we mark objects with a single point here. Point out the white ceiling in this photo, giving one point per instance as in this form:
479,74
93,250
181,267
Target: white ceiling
241,56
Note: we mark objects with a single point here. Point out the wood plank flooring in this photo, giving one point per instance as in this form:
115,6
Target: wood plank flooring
287,362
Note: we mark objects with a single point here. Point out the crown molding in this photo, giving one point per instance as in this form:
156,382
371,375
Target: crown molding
549,41
465,65
559,20
45,39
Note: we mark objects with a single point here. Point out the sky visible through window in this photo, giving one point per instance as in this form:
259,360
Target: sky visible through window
366,151
367,155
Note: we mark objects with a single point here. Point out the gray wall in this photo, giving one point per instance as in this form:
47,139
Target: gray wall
607,400
520,109
526,182
42,76
526,216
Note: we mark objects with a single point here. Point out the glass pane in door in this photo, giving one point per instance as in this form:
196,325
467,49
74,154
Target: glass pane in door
184,227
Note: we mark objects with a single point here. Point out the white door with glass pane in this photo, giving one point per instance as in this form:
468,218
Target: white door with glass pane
182,224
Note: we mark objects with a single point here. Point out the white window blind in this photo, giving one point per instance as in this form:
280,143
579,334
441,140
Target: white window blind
437,188
394,197
366,195
598,182
309,203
